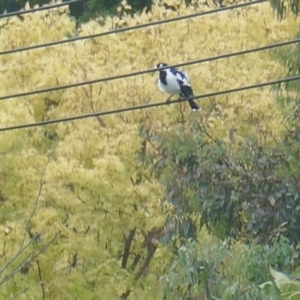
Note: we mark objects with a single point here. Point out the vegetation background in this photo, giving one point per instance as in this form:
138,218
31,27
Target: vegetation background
161,203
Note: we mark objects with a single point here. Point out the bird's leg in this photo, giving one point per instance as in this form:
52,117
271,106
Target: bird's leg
168,100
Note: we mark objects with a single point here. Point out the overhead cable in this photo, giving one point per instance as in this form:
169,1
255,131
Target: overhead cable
45,7
135,27
105,79
146,106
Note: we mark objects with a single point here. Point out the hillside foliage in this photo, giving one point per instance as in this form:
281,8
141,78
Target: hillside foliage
122,197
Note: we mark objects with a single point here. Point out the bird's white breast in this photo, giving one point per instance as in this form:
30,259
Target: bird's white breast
172,86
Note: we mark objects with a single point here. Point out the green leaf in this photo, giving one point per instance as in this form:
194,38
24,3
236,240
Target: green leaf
279,278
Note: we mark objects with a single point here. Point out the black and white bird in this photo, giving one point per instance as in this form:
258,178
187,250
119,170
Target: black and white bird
175,82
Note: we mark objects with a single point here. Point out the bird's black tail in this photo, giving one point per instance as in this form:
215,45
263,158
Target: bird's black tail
188,92
194,106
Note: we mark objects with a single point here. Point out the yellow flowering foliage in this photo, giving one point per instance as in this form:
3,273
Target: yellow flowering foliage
94,189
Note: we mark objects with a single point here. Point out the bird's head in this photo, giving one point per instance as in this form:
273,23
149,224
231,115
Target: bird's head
160,65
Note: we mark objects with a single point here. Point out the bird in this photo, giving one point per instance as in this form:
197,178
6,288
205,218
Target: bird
175,82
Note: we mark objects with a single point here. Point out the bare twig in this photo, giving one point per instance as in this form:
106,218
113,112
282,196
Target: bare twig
182,120
20,266
3,256
209,136
18,294
40,278
155,165
16,256
41,184
154,147
28,261
86,231
101,122
73,264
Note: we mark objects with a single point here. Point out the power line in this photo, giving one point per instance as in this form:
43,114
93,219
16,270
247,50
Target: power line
145,106
29,11
228,55
135,27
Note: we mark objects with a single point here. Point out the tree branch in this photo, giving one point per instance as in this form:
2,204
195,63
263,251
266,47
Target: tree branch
151,248
127,245
150,239
135,262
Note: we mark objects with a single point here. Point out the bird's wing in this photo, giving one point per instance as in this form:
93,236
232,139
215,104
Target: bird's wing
181,76
186,90
186,76
185,85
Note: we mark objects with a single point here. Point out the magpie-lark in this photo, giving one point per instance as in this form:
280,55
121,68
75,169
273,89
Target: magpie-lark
175,82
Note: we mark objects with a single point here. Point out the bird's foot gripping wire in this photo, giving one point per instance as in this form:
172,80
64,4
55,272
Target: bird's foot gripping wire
168,100
180,98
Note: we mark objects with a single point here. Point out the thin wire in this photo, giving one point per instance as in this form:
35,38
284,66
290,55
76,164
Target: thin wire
135,27
29,11
222,56
145,106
